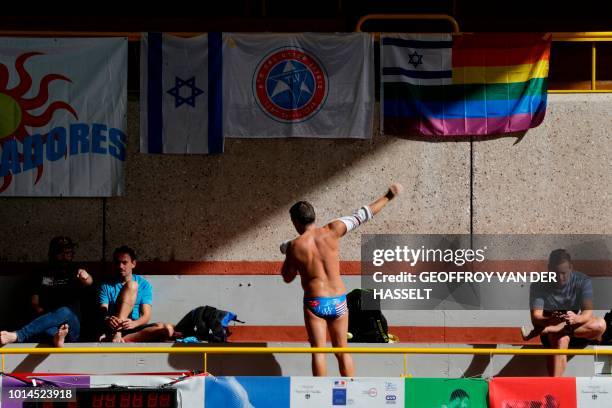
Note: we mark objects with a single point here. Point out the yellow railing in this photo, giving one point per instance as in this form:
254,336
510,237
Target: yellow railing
592,37
205,351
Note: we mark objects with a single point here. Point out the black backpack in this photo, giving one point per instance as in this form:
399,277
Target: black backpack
366,326
207,324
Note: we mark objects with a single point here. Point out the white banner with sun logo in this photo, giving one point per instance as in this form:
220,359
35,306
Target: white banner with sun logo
63,105
298,85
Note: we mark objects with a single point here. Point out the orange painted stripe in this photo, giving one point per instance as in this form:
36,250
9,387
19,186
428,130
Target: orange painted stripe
594,268
406,334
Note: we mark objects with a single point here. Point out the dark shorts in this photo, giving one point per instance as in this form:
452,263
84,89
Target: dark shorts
575,342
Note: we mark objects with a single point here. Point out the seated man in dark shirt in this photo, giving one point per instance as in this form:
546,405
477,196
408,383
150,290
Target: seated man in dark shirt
563,311
56,297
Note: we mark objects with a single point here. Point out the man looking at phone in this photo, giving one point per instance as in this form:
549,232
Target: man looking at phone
563,311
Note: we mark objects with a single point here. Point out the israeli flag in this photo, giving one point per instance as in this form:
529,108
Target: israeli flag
181,94
417,59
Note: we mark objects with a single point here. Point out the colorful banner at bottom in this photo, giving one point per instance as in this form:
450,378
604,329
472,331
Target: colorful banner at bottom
172,391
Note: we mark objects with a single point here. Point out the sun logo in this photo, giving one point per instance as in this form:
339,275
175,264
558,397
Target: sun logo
15,109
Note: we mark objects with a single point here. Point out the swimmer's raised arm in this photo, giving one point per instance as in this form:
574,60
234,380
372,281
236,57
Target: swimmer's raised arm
348,223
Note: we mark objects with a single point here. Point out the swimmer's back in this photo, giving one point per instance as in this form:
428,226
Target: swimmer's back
316,253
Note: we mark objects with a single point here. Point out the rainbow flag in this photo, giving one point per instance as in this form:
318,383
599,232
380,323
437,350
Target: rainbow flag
473,84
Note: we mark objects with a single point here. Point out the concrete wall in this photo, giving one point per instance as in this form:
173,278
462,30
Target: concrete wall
554,179
235,206
557,179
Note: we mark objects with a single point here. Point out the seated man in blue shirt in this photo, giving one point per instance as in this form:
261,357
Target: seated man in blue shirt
562,312
126,304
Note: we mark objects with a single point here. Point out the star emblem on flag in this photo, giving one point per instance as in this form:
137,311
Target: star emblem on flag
415,59
176,92
292,80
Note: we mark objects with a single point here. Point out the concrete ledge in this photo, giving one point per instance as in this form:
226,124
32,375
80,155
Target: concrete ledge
443,365
406,334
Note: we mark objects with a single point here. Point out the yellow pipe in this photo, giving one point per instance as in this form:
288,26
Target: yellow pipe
303,350
2,370
582,39
576,91
443,17
205,362
593,66
587,34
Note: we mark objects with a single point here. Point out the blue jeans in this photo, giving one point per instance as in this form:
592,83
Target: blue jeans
45,326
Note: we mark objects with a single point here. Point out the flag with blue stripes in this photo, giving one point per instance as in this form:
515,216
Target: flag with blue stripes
181,94
418,59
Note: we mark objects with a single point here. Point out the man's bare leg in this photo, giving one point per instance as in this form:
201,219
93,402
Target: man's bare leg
555,328
118,338
60,336
7,337
317,335
557,363
125,303
593,329
158,332
338,329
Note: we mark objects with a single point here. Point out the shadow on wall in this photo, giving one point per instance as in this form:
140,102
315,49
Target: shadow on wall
31,362
15,308
479,364
518,366
188,207
462,139
195,205
228,364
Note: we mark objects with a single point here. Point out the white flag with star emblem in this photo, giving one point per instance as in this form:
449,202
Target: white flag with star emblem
180,94
298,85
